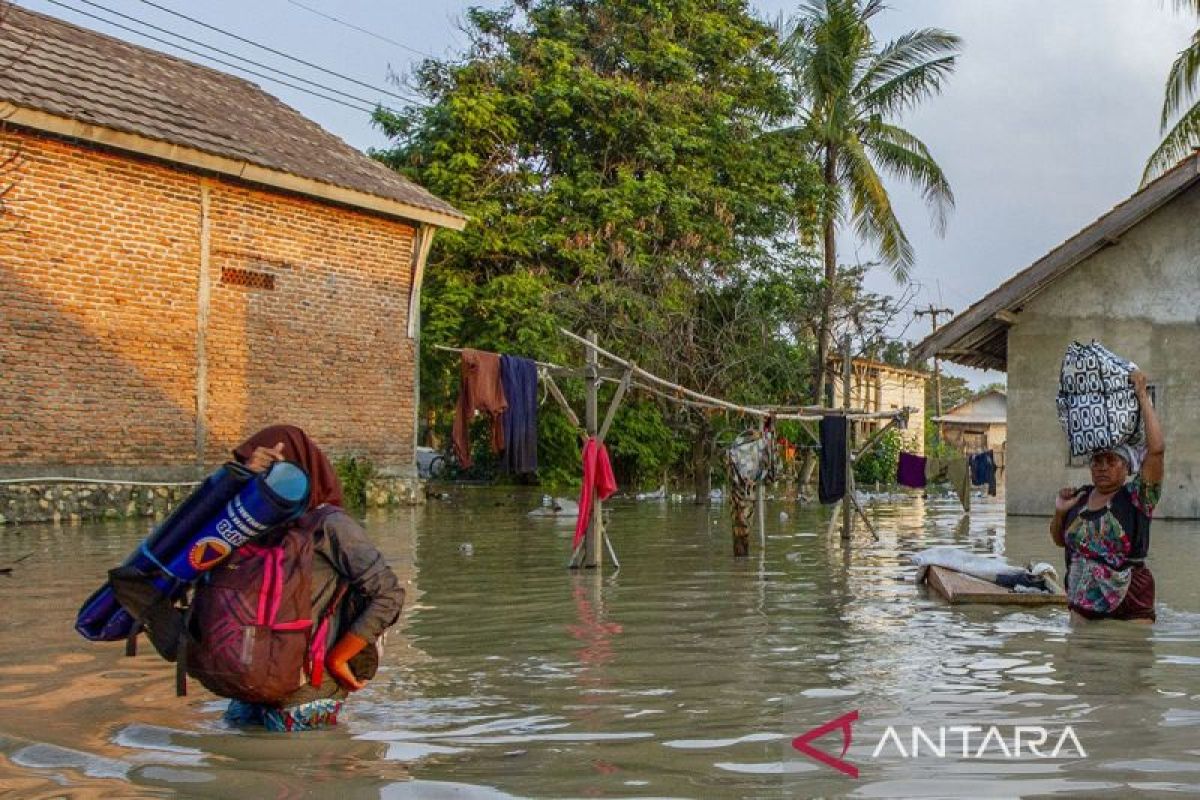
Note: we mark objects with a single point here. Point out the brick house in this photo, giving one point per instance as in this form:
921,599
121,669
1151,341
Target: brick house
190,259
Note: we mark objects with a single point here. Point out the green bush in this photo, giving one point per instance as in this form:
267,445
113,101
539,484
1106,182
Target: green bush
354,474
934,446
879,465
642,446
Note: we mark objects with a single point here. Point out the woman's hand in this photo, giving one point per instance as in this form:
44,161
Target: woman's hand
346,648
1066,498
1140,382
262,458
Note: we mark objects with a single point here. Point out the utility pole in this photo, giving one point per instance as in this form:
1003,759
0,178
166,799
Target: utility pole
937,366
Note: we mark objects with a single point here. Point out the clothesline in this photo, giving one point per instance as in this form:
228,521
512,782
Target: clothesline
542,364
791,412
814,415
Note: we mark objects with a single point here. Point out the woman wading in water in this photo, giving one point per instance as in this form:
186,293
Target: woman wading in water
1105,527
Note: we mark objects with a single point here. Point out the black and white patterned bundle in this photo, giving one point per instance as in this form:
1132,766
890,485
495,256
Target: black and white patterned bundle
1096,404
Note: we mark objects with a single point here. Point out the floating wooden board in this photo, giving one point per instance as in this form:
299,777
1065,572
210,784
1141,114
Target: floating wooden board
958,587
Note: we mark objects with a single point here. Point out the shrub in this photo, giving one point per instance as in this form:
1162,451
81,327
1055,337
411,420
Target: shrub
879,465
354,474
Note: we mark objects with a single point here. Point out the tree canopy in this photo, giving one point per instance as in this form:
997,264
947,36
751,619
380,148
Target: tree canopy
629,167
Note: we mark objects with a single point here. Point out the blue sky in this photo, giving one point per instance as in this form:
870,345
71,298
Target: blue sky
1045,125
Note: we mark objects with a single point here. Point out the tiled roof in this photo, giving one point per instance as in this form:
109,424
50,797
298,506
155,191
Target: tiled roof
63,70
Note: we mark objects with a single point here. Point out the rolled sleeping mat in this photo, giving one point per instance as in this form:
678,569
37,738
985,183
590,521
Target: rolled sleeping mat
209,498
256,504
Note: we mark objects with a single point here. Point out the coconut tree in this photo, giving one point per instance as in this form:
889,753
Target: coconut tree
1179,104
851,92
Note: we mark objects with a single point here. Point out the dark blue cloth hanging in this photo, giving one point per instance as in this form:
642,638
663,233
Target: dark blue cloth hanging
831,480
520,381
983,470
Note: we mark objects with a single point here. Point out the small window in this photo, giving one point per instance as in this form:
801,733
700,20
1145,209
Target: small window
249,278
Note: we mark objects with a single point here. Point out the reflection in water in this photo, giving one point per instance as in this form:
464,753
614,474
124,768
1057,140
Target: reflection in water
686,674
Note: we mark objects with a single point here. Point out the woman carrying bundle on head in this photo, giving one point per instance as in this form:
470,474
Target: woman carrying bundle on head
1104,527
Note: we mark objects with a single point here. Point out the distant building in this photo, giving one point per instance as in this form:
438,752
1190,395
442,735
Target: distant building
1130,280
976,425
191,259
875,386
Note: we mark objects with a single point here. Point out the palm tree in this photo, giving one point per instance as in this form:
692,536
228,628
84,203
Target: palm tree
850,93
1183,84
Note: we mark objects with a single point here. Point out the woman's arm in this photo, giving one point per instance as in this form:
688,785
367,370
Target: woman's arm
1156,447
359,562
1064,501
1056,527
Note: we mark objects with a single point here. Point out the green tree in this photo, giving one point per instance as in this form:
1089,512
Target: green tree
879,464
615,160
955,392
1180,120
850,91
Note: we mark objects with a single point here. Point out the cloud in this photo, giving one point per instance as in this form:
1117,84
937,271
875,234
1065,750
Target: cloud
1044,126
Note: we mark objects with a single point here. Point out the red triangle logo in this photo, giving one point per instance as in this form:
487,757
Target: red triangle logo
842,723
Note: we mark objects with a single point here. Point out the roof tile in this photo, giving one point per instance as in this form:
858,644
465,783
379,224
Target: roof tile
61,69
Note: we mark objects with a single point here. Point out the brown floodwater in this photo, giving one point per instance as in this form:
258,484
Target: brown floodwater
684,674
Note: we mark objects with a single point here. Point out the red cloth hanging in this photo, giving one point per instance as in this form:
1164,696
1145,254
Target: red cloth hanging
598,475
480,389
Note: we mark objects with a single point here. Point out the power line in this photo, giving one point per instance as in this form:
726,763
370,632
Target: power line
256,63
370,33
212,58
231,55
280,53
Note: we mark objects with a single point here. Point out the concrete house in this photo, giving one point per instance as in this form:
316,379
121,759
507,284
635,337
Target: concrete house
1130,280
978,424
190,259
876,386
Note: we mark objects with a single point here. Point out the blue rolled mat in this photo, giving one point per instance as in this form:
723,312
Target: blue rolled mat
231,507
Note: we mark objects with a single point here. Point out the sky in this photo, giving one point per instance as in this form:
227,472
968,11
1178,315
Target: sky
1044,126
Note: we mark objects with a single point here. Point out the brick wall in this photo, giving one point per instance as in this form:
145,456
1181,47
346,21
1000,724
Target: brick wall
99,296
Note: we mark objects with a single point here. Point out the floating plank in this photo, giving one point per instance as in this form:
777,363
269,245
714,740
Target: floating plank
958,587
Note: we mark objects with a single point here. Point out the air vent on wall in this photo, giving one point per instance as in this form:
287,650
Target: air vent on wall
249,278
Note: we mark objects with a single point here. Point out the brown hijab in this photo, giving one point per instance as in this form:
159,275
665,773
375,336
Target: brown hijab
299,449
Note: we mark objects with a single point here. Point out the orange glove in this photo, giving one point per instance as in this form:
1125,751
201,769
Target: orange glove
347,647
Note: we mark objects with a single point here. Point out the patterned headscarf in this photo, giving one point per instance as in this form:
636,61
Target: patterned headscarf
1132,456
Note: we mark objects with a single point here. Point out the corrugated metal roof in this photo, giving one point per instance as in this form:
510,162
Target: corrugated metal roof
71,72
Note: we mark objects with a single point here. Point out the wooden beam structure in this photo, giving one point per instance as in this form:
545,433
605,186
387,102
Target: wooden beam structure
629,376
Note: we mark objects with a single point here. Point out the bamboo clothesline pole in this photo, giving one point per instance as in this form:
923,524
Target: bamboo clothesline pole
592,544
790,413
590,552
847,517
714,402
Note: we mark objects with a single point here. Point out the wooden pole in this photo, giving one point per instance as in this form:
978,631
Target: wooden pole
933,313
847,509
760,506
593,544
677,391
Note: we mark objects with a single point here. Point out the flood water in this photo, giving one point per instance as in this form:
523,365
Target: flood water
684,674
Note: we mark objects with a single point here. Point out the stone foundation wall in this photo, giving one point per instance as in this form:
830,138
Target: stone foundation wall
79,502
395,491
